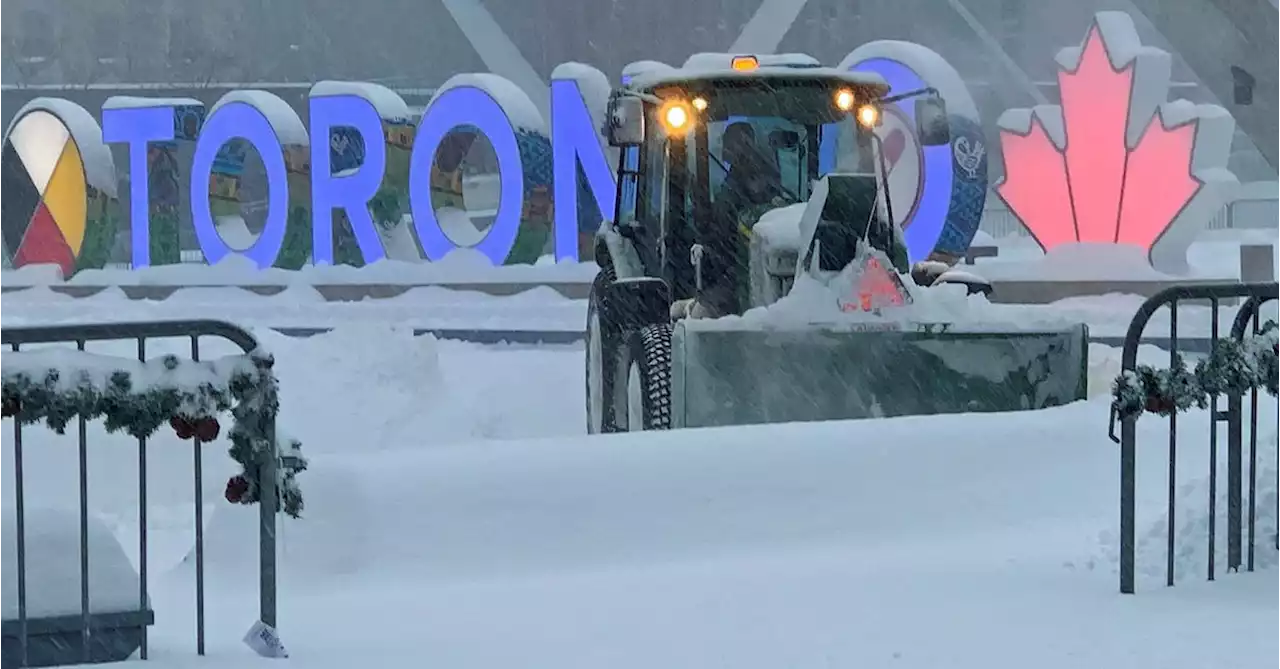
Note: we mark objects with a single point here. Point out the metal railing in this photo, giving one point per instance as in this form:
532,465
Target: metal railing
140,332
1256,295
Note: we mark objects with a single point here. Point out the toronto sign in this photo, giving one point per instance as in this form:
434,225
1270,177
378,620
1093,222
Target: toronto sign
383,170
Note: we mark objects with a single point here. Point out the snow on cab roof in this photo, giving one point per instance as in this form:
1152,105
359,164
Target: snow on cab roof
702,66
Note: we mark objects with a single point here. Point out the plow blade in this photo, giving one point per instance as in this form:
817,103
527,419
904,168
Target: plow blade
725,376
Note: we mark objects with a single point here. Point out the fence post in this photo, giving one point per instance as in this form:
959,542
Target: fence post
1235,480
1257,294
267,499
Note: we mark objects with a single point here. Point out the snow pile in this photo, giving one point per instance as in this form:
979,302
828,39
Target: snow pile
134,102
763,547
815,300
459,228
99,166
783,545
1191,555
231,272
594,86
982,239
1191,510
53,565
388,103
235,233
79,370
520,110
779,229
400,242
283,119
33,275
493,507
1081,262
642,67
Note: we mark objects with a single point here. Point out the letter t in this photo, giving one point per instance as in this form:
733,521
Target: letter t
137,127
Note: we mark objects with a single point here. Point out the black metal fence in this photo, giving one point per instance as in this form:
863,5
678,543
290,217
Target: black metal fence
1247,317
88,624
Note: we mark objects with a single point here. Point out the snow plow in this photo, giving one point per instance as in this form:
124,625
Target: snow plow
739,286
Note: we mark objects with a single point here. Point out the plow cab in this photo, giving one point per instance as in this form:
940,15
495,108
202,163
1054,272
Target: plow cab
754,273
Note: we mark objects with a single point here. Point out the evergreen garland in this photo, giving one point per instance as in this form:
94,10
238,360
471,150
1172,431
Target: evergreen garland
1232,369
138,397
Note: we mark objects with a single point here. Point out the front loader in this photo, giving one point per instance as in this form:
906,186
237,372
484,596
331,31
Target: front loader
739,286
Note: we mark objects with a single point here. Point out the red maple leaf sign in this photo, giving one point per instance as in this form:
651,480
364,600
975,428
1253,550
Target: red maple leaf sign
1115,162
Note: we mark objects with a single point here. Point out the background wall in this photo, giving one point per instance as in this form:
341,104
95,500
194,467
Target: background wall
89,49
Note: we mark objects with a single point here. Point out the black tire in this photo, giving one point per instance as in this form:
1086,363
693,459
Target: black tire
646,361
598,371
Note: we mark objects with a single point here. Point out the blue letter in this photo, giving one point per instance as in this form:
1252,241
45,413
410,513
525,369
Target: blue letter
574,139
349,192
240,119
466,105
138,126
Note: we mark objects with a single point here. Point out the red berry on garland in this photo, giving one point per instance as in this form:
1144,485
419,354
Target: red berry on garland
207,429
182,427
9,406
1159,405
237,488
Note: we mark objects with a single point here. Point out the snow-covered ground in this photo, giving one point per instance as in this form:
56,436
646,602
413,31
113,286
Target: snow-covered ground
457,517
1214,255
461,266
872,543
539,308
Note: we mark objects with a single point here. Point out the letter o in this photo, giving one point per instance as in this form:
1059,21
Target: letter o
467,105
240,119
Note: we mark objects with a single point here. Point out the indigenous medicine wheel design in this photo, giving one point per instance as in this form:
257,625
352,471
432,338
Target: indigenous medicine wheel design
45,199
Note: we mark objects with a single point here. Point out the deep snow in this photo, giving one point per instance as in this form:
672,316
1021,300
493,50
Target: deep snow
458,518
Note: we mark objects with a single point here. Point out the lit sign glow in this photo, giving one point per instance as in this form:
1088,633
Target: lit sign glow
875,288
933,195
937,192
577,147
352,190
1116,163
137,127
458,106
230,121
367,167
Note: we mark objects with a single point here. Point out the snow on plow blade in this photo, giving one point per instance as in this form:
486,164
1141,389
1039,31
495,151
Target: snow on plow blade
727,376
